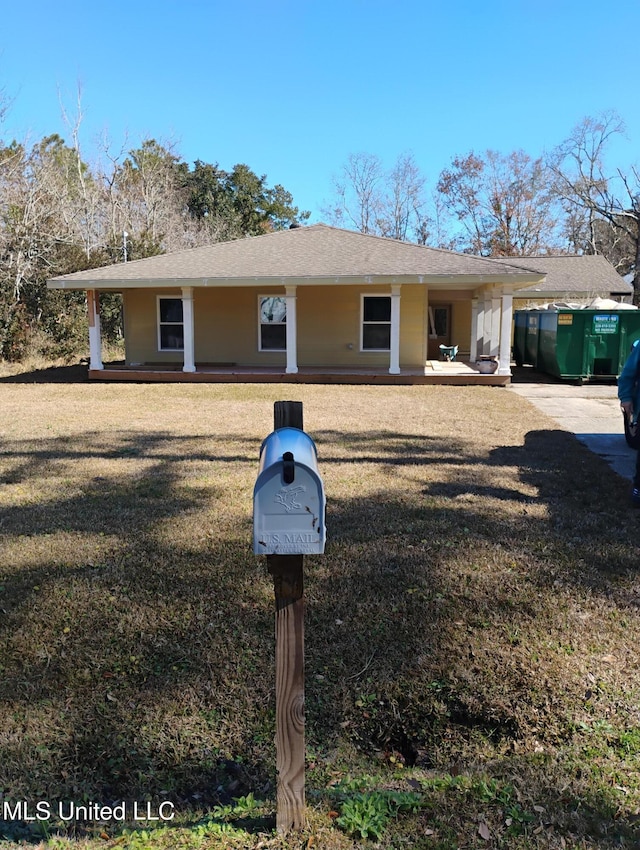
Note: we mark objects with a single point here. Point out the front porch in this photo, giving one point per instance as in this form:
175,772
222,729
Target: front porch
461,373
490,339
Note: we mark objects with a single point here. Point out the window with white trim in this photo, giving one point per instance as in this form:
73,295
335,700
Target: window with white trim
272,323
170,324
376,323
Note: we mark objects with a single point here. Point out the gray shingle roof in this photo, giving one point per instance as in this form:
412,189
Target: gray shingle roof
316,251
584,274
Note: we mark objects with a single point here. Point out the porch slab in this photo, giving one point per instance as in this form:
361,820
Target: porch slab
458,373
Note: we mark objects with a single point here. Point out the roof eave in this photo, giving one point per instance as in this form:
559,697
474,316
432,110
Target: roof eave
518,281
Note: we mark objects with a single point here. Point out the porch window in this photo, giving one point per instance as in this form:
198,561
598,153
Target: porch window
376,323
273,323
170,324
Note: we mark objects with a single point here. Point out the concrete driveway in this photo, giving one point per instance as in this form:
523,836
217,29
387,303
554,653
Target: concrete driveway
591,412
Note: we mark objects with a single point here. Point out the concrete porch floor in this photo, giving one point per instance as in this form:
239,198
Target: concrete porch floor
459,373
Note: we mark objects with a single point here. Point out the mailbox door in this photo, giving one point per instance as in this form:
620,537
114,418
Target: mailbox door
288,519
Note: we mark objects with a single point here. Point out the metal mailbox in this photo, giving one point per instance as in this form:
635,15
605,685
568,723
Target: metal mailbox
288,498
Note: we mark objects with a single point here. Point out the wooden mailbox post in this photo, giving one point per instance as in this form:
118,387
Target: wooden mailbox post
288,586
284,533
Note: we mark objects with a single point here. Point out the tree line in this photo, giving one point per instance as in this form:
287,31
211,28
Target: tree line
567,201
59,214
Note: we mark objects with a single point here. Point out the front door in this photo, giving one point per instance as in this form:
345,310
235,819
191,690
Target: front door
439,329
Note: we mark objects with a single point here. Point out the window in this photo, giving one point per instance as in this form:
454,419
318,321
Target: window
170,324
273,323
376,322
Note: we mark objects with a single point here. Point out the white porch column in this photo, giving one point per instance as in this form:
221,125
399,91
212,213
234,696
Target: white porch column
473,345
495,323
486,328
504,363
394,348
95,338
480,320
292,330
187,318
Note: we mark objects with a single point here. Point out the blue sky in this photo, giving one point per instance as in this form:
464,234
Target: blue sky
292,87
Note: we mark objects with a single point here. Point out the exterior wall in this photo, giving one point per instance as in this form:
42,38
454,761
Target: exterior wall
141,327
413,325
461,326
226,326
329,326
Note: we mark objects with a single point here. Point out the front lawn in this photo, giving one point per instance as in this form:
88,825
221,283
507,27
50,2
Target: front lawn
472,632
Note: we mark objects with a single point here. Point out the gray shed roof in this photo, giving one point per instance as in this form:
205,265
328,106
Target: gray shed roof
316,253
571,274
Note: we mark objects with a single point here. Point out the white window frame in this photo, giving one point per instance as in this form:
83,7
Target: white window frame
364,295
260,322
160,298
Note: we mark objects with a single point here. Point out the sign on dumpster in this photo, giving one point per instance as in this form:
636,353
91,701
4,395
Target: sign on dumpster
606,323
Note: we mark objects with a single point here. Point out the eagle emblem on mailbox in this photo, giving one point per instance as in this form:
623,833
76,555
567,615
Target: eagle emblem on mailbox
288,498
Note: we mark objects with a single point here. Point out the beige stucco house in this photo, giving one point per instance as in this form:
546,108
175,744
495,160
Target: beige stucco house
310,303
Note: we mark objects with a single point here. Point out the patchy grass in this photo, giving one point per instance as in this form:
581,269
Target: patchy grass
471,632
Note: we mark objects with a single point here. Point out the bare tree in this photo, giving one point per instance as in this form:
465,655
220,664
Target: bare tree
604,203
59,214
147,191
148,199
502,203
402,208
34,211
85,195
385,203
461,188
4,104
18,205
358,193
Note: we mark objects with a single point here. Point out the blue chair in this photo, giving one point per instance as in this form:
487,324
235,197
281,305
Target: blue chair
448,352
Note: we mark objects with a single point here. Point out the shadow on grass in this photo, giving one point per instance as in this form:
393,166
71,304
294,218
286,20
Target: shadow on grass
25,460
74,374
136,625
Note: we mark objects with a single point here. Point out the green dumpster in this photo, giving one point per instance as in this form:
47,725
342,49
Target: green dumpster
519,336
525,337
581,344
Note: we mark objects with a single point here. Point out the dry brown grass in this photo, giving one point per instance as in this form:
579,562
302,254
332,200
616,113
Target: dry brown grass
472,630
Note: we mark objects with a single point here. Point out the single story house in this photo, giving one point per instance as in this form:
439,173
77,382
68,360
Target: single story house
309,303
